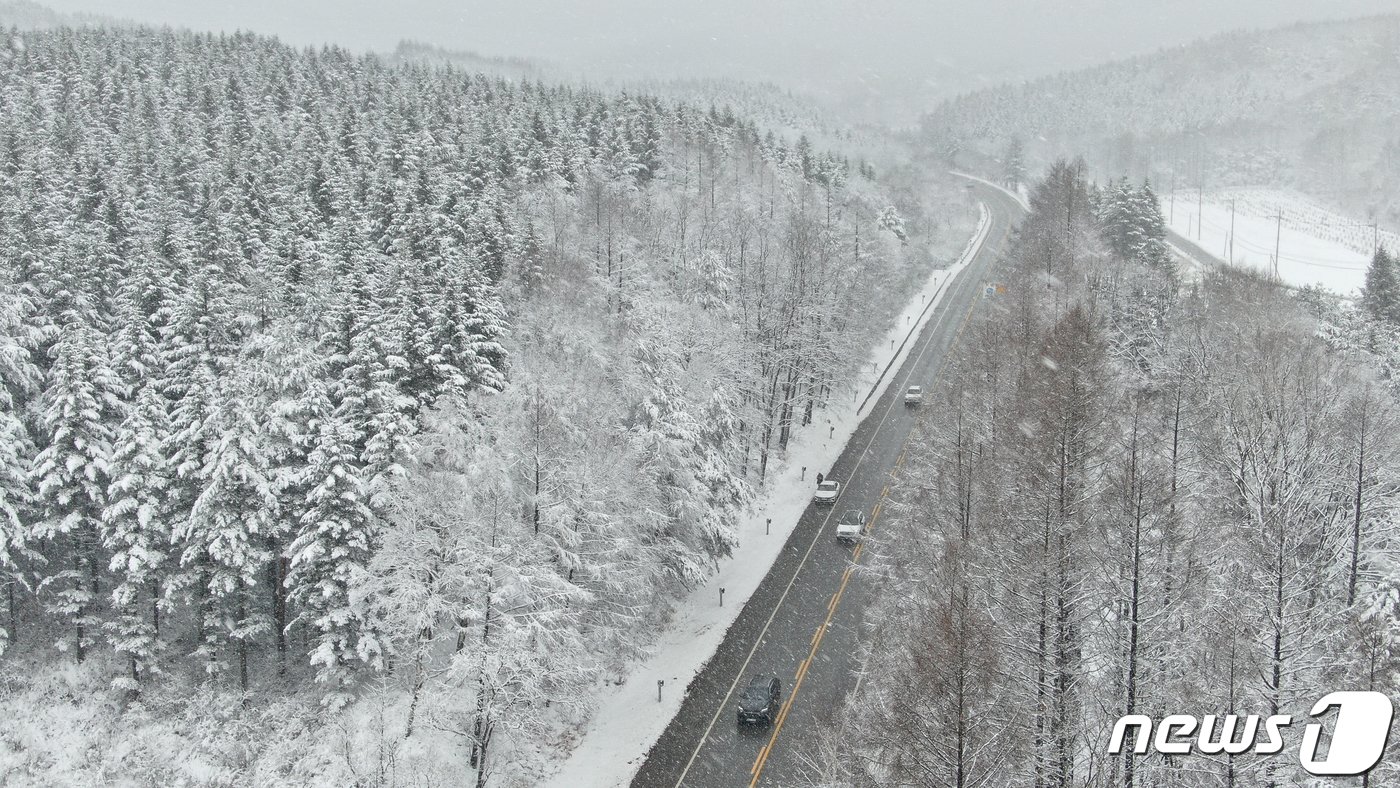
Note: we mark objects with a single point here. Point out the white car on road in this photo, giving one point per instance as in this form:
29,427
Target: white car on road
851,526
827,492
914,395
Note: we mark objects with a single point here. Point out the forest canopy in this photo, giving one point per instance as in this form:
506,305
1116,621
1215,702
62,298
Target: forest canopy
316,369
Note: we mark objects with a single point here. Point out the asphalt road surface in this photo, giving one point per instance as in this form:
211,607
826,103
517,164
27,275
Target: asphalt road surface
803,622
1190,253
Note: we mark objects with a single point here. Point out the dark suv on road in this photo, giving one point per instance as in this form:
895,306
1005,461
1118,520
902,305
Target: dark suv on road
759,701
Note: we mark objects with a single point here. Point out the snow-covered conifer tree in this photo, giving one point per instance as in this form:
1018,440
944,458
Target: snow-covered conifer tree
224,539
19,381
1382,292
70,477
334,540
137,531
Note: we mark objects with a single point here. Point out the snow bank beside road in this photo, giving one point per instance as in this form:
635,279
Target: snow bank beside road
1021,195
627,718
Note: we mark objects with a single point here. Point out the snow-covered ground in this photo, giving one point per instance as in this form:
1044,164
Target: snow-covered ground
628,719
1315,245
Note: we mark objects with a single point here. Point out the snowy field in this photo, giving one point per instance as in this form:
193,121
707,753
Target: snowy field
1315,245
617,738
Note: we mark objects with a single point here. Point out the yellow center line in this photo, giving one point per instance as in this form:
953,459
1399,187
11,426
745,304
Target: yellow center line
757,769
821,633
762,760
845,579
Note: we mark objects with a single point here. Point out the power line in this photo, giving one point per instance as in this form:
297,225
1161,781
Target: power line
1320,262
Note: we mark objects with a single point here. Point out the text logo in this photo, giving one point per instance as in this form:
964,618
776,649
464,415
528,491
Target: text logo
1358,737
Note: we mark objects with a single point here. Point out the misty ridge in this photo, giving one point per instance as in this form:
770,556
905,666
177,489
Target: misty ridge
459,393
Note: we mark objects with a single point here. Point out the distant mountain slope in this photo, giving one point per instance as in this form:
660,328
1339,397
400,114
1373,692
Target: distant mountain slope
1312,106
26,15
508,67
788,114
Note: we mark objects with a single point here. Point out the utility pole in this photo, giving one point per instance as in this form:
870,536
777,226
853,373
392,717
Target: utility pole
1232,232
1200,208
1171,210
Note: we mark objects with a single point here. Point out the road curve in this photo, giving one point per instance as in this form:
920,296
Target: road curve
803,621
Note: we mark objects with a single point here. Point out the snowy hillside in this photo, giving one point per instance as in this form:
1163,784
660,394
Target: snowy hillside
28,15
1311,106
783,112
360,416
1312,245
507,67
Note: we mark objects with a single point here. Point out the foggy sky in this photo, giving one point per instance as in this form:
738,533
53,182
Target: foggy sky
814,45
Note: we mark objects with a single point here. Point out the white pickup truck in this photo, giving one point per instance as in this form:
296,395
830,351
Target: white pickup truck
850,527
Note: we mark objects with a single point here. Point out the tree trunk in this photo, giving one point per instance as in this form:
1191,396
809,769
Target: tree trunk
1277,684
155,609
1134,589
276,582
482,724
242,647
1356,509
78,619
13,609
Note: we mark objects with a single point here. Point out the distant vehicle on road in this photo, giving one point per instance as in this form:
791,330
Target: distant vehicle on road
851,526
914,395
760,700
827,492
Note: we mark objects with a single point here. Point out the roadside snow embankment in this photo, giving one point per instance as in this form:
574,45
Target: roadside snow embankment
627,718
1021,195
